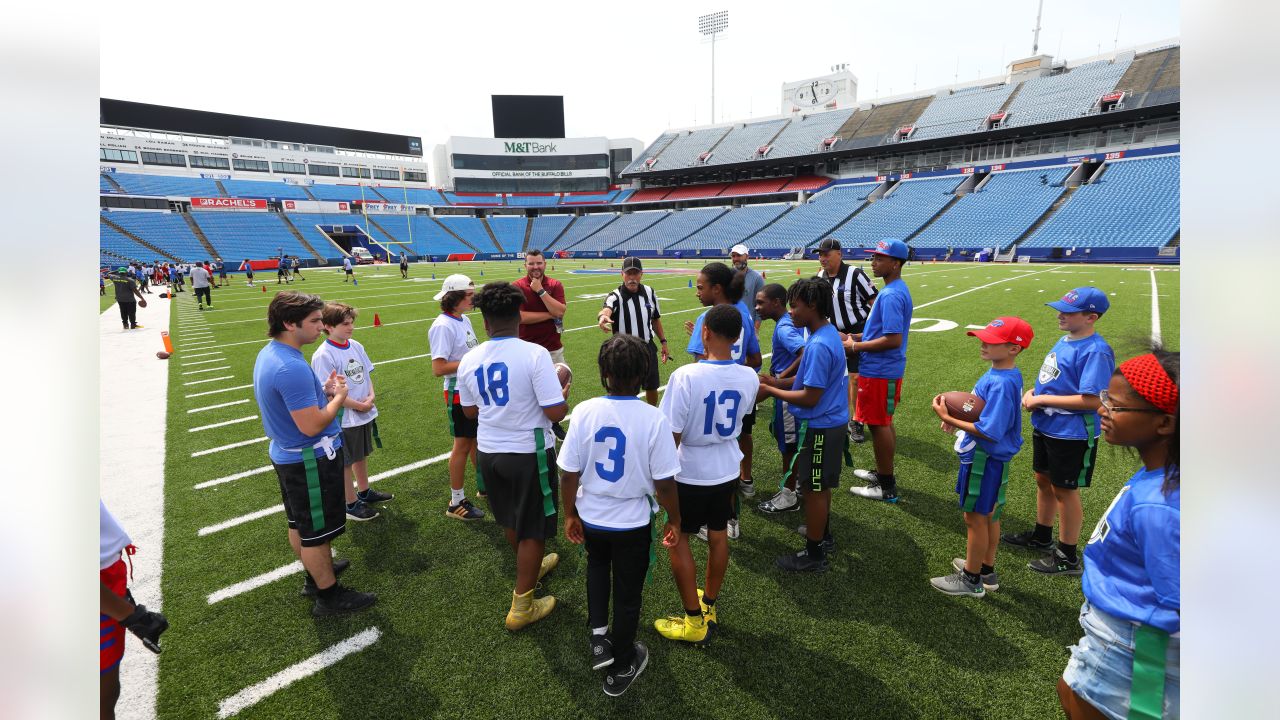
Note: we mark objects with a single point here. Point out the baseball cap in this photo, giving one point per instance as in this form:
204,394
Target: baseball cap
1082,299
739,249
455,282
631,263
891,247
1006,330
828,245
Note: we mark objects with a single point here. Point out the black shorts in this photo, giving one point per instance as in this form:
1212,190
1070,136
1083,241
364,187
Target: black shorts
1068,463
460,426
748,421
204,292
523,491
349,271
710,505
316,507
651,379
851,359
357,443
820,457
280,272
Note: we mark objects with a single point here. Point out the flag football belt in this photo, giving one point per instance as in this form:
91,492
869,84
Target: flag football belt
313,475
1146,695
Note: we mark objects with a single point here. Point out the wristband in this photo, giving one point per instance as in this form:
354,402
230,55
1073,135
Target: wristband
662,341
542,292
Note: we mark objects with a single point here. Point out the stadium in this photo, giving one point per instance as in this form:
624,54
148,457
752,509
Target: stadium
1009,191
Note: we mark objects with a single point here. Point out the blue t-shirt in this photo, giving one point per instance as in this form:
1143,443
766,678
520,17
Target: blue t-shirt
1001,418
823,366
890,314
283,381
1132,559
284,263
738,352
788,341
1073,367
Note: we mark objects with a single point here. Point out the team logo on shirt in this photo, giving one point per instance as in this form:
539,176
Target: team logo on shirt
354,371
1104,528
1049,370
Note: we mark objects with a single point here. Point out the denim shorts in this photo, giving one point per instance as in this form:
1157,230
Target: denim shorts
1101,665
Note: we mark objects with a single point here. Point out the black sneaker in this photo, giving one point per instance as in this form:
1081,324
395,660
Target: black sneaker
856,433
361,512
1056,563
464,511
1027,540
601,652
802,562
345,600
617,683
309,585
373,496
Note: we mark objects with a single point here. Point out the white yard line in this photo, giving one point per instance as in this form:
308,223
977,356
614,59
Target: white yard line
255,582
201,354
232,446
224,423
204,362
980,287
396,360
1156,335
215,407
212,369
212,392
298,671
229,478
208,380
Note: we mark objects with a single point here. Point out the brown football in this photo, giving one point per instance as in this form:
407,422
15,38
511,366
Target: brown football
564,373
162,355
963,405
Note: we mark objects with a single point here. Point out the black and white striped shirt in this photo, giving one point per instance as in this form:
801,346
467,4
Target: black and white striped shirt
633,313
852,292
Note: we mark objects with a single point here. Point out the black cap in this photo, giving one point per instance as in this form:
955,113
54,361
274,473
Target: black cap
828,244
631,263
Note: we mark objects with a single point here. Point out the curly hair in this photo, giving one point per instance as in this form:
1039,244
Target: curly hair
814,292
499,300
452,299
724,321
624,362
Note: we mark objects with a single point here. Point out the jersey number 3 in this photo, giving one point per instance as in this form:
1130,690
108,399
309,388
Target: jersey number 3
496,377
616,456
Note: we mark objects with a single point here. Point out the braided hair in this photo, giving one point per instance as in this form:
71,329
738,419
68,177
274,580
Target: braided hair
624,362
814,292
499,301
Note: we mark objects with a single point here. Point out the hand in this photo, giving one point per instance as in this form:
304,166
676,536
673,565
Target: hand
142,302
340,387
670,535
940,407
330,385
369,401
848,343
536,285
606,324
688,326
947,428
573,530
565,390
1029,400
147,626
857,337
665,353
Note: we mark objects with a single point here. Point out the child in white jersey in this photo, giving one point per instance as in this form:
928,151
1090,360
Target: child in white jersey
451,336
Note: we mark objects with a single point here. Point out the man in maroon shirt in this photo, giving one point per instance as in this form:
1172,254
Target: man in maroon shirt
541,315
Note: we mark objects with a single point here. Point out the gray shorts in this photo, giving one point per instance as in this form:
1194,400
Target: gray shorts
357,443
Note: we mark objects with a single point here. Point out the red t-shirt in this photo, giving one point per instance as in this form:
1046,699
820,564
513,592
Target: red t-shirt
540,333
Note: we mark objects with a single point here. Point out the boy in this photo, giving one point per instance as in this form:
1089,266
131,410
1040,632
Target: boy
451,336
295,266
511,387
788,344
282,271
221,267
986,448
118,611
704,404
635,307
819,400
247,267
622,452
346,268
342,354
1064,414
404,266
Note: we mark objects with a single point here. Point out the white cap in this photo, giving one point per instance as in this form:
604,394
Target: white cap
739,249
455,282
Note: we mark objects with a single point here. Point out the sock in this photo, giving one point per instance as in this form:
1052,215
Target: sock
352,506
814,549
600,630
887,482
970,577
694,614
329,592
1042,533
1069,551
457,496
988,569
709,601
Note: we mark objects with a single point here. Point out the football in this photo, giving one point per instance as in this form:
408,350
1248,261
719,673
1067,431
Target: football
963,405
162,355
564,373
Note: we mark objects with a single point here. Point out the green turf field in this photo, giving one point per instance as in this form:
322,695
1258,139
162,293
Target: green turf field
868,639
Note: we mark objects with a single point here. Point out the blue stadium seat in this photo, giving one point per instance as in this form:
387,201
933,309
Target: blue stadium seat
509,231
997,214
167,231
899,213
264,189
810,221
253,235
619,230
1135,203
678,226
167,185
731,228
546,229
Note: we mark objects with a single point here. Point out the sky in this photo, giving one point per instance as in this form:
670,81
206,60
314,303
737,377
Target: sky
624,69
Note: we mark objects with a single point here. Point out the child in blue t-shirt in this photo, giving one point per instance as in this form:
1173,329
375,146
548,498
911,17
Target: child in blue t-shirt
986,448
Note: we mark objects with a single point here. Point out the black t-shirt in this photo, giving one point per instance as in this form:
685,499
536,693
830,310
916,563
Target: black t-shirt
124,287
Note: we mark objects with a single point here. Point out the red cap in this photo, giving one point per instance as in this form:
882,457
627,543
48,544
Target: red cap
1006,330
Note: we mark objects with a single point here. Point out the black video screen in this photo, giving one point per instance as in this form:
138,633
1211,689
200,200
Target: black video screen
528,116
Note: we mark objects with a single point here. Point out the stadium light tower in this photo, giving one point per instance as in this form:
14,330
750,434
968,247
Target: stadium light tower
712,24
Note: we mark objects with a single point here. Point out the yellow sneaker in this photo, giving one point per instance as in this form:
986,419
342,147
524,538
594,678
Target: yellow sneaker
708,611
526,610
549,563
682,627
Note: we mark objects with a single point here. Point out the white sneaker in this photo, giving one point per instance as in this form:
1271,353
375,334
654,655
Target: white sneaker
734,530
702,533
747,488
784,501
867,476
803,530
871,492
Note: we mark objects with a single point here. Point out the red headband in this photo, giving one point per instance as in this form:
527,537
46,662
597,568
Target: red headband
1150,380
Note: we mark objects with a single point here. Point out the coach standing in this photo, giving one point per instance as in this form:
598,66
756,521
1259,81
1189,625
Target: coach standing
300,416
754,281
852,294
542,314
635,306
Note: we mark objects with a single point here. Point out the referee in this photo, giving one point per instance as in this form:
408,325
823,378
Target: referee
853,294
636,306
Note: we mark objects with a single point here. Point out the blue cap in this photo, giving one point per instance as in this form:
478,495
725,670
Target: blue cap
891,247
1082,299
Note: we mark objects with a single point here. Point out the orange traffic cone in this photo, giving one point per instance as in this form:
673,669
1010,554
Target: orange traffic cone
797,271
168,344
764,274
377,321
264,287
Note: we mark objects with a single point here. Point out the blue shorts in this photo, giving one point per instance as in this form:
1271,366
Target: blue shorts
783,427
981,485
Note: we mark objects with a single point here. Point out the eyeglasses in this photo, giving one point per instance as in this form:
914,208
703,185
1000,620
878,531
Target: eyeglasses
1105,397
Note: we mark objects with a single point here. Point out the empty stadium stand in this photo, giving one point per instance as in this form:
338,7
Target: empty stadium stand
546,229
619,231
651,151
588,198
1134,203
899,213
533,200
677,226
344,192
581,228
649,195
743,140
804,134
412,196
997,214
756,187
165,230
813,220
684,150
963,111
1066,95
874,126
509,231
167,185
470,229
306,225
472,200
247,234
121,248
731,228
264,189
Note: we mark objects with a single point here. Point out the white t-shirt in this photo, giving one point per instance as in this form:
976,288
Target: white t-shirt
451,337
199,277
705,403
620,445
518,382
112,538
346,263
353,362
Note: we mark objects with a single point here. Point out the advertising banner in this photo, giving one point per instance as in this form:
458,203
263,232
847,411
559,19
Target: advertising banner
313,206
200,203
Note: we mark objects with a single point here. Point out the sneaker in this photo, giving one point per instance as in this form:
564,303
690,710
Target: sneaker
828,545
872,490
867,476
549,563
803,562
734,528
990,581
708,611
856,433
682,627
747,487
1056,563
702,533
345,600
956,584
526,609
783,501
361,512
464,511
309,585
137,327
601,651
617,683
1027,540
373,496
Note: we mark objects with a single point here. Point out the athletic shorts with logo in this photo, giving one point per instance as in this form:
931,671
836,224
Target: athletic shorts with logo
820,457
710,505
523,489
460,426
111,632
1068,463
981,485
783,427
877,400
357,443
314,506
